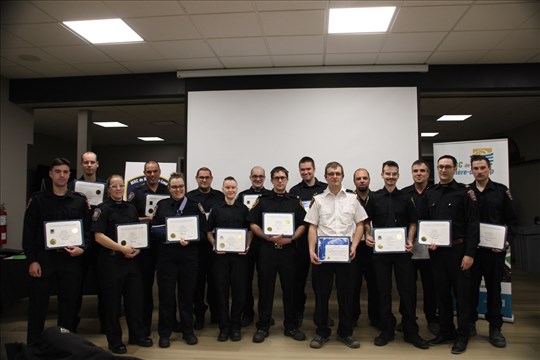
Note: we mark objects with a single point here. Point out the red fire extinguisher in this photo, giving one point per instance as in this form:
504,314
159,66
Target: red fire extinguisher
3,225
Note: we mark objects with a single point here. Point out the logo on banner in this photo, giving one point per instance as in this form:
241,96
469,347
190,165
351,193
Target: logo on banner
487,152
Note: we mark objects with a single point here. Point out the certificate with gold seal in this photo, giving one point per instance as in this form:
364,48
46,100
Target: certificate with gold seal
60,234
151,202
278,224
390,240
492,236
231,240
94,191
184,227
434,232
134,235
334,249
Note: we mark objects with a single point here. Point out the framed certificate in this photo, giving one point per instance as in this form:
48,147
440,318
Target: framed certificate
249,200
60,234
185,227
151,202
231,240
434,232
278,224
334,249
134,235
389,240
94,191
492,236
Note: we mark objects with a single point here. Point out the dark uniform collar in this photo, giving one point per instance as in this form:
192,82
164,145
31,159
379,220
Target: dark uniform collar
452,184
306,186
490,185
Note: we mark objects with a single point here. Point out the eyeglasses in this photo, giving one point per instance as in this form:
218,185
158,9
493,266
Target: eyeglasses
116,187
445,167
204,178
279,178
258,176
177,187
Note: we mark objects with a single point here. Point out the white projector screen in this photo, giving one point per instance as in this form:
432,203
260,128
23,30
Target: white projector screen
232,131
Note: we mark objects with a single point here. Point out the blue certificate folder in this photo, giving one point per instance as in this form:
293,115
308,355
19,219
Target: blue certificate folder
333,248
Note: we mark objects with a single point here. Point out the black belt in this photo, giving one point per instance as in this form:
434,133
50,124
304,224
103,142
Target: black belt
280,247
458,242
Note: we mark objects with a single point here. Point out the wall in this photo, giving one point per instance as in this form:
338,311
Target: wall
16,131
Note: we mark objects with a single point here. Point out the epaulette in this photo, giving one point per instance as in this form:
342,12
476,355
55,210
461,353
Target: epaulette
350,191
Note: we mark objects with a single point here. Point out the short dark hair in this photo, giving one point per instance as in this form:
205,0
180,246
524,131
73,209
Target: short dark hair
454,161
229,178
361,169
204,168
480,158
151,162
109,179
306,159
60,161
279,169
176,175
333,164
391,163
420,162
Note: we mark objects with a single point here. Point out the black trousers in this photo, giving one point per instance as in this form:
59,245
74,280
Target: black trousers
322,279
177,268
428,287
490,265
147,259
301,274
205,283
363,263
450,279
121,277
253,263
404,272
230,273
66,272
271,262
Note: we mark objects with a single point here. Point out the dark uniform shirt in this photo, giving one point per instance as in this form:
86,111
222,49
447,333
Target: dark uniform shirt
411,191
138,196
277,203
171,208
207,200
306,192
228,216
495,206
391,209
456,202
46,206
250,191
111,213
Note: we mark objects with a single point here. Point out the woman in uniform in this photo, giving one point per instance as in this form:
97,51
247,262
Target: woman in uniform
120,273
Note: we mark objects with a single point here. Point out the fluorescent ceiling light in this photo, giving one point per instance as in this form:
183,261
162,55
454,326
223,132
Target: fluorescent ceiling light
453,117
106,31
110,124
150,138
360,20
429,134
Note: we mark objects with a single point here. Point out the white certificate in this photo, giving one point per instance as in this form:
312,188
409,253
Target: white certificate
60,234
94,191
134,235
278,224
434,232
306,204
231,240
334,249
151,202
249,200
389,240
492,236
185,227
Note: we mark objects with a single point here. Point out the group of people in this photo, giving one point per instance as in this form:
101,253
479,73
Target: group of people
196,276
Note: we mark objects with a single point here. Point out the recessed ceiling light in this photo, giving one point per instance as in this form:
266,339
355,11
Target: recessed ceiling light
106,31
453,117
360,20
110,124
150,138
429,134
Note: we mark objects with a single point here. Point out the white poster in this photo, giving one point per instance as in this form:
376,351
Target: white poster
134,175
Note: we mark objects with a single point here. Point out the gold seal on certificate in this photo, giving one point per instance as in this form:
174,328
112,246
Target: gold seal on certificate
492,236
333,249
278,224
434,232
94,191
151,202
183,227
134,235
231,240
59,234
389,240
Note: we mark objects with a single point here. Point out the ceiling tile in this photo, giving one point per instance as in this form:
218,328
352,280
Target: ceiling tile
50,34
435,2
55,70
247,62
15,55
227,25
497,16
78,54
354,43
415,42
182,49
282,45
197,64
429,18
239,46
127,8
350,59
520,39
532,23
17,72
290,5
75,10
9,41
109,68
164,28
298,60
149,66
456,57
403,58
472,40
309,22
22,12
508,56
131,52
216,7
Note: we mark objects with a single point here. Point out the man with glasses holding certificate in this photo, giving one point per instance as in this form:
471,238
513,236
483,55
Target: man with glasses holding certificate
393,216
497,218
452,211
336,227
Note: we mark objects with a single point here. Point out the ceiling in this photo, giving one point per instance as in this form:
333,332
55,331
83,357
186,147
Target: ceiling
192,35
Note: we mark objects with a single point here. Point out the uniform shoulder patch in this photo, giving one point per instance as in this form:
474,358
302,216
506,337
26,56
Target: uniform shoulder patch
131,196
509,194
96,214
312,201
471,194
